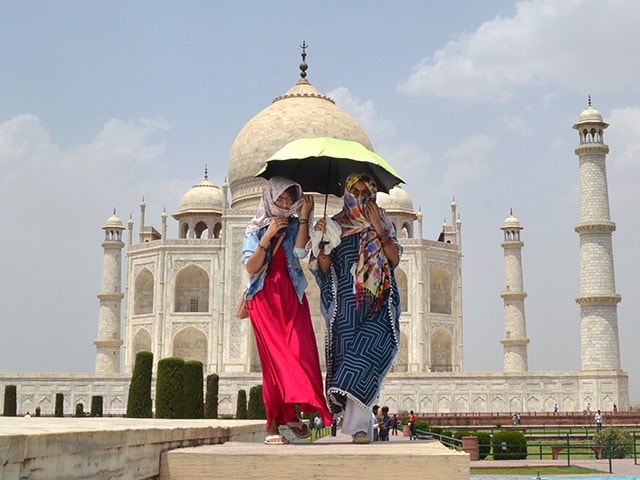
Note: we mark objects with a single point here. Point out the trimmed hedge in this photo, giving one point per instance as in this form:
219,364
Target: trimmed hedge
241,404
79,410
509,445
96,405
139,403
10,401
59,409
256,409
211,402
484,444
170,388
619,438
193,389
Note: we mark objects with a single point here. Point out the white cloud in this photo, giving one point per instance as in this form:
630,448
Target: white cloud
467,164
364,112
587,45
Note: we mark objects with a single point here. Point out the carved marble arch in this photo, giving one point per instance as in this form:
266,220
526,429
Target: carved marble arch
217,229
201,230
141,342
191,344
441,351
402,359
184,230
440,294
143,293
192,290
403,289
406,230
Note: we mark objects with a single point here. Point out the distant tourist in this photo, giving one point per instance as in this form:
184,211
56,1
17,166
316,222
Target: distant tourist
598,419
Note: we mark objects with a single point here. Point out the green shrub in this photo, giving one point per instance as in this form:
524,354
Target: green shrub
38,411
620,439
509,445
96,406
10,401
170,388
139,404
79,410
241,404
461,433
59,409
211,401
484,444
193,389
256,407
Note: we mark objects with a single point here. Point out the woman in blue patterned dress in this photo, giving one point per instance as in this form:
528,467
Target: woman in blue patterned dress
360,304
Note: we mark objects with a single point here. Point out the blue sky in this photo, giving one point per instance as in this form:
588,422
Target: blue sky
103,103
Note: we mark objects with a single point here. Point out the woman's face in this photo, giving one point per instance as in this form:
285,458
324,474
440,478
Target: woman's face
362,194
286,198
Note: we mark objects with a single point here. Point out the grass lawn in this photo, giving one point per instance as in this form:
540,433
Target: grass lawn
531,471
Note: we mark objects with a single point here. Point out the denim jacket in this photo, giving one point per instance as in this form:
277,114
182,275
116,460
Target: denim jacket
293,254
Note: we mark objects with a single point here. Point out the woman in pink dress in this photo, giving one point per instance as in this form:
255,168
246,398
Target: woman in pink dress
277,237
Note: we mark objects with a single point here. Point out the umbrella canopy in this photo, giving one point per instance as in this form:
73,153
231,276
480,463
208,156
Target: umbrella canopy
322,164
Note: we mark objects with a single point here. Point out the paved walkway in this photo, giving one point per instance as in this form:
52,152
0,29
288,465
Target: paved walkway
623,467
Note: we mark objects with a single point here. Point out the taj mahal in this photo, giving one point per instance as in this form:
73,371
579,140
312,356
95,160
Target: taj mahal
183,276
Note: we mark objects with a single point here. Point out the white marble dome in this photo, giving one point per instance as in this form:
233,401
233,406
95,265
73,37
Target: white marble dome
202,197
113,222
396,201
590,115
301,112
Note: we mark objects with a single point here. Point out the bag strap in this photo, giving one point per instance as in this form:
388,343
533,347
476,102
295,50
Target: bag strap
275,249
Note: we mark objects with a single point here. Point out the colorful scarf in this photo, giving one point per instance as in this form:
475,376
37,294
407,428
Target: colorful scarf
372,272
268,210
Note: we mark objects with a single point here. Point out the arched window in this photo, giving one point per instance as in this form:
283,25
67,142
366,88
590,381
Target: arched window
143,294
192,290
440,291
201,230
141,342
191,344
403,289
441,351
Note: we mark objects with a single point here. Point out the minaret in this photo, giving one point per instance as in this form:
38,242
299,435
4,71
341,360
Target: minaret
109,340
515,339
598,301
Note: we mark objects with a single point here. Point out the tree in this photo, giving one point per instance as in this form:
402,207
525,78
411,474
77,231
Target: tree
170,388
256,407
193,389
10,401
241,405
139,403
59,409
96,406
211,404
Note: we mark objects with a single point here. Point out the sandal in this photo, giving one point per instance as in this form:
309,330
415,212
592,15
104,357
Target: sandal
361,438
275,440
299,429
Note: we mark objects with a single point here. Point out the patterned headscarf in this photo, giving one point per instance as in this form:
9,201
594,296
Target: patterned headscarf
373,270
268,210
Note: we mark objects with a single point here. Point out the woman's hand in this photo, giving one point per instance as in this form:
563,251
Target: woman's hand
275,226
307,206
321,225
372,213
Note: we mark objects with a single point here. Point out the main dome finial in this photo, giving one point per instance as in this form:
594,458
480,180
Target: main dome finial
303,64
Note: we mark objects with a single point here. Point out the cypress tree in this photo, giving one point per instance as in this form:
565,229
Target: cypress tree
59,409
170,388
96,405
139,404
256,407
10,401
193,389
211,404
241,405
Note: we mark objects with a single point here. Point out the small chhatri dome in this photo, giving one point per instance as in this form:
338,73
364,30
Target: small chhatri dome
301,112
113,221
396,201
589,115
203,197
511,222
